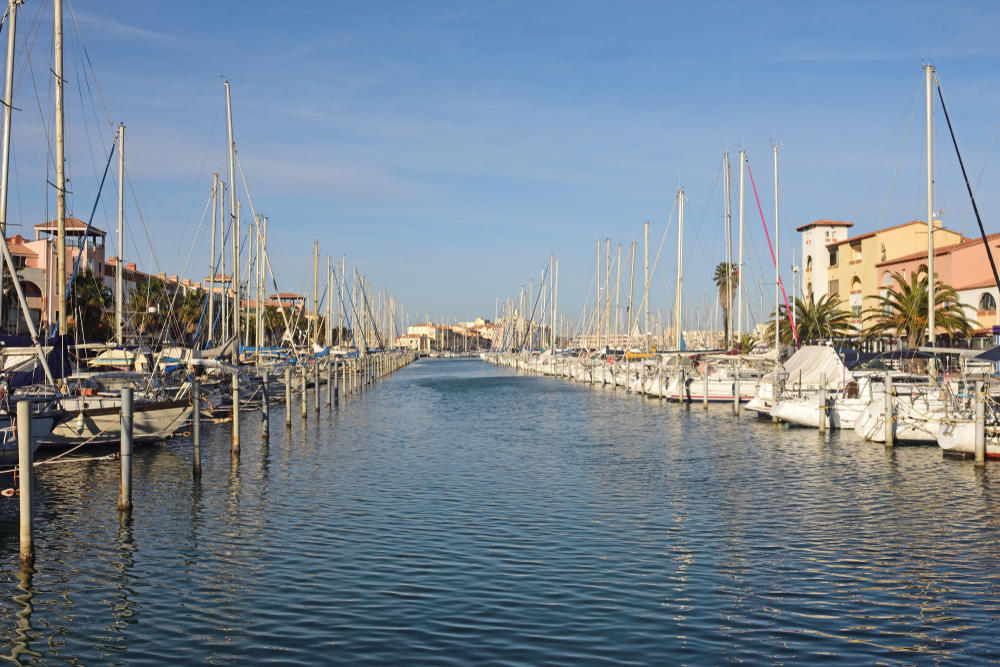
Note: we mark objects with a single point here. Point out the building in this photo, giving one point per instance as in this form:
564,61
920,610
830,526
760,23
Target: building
848,266
963,266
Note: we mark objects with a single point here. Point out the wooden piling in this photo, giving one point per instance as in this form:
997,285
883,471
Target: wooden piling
196,426
125,485
305,393
25,474
329,382
288,396
980,453
736,391
887,412
236,412
822,403
265,407
704,382
316,387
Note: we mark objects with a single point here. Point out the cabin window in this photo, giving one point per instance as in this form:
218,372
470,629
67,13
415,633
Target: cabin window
987,303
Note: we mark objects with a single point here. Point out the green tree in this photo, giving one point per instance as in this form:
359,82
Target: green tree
902,311
148,305
188,310
814,320
727,279
90,303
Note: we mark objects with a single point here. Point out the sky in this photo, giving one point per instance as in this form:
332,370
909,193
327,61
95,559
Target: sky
449,148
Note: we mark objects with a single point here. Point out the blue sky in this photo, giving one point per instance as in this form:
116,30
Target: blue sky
449,148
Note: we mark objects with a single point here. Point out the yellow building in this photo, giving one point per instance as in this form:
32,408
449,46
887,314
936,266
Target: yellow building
848,265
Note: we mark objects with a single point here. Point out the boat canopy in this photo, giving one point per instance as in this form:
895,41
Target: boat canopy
811,362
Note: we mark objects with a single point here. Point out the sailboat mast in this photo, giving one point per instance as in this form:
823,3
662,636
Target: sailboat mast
929,73
119,267
57,71
728,324
680,269
211,263
739,266
315,331
234,219
555,303
645,278
328,329
8,98
777,277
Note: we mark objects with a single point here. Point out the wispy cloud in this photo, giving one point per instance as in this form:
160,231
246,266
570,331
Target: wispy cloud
117,29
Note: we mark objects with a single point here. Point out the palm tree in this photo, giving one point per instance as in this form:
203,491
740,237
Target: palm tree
902,311
91,302
726,279
814,320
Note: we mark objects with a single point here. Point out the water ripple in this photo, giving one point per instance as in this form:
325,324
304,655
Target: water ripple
458,513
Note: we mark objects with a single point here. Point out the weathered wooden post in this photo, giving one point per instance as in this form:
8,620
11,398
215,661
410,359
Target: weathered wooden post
305,392
236,412
980,459
822,403
887,411
196,426
342,370
316,387
125,485
329,382
288,396
265,408
736,391
704,382
25,474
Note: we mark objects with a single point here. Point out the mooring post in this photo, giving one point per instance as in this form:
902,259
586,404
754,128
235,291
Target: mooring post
265,408
736,391
822,403
329,382
125,487
336,382
342,371
236,412
980,424
887,411
288,396
196,426
704,382
316,387
25,474
305,392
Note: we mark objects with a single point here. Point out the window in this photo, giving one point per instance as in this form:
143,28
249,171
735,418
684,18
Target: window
833,256
809,263
834,287
856,297
987,303
856,252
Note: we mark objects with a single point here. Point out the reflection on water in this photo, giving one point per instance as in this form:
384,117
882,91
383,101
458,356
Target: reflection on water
461,513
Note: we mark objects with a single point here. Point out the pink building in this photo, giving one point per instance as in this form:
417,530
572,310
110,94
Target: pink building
965,267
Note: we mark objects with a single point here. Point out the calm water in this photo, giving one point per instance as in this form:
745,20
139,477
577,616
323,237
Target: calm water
459,513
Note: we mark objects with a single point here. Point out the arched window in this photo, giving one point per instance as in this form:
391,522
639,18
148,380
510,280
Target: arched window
856,296
809,263
987,303
922,269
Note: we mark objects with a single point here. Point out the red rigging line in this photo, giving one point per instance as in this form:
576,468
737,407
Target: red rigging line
795,333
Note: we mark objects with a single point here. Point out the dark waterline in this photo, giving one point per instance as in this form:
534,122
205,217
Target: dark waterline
460,513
